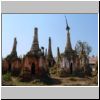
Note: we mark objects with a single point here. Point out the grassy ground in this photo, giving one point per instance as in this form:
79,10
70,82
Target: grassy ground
55,81
77,81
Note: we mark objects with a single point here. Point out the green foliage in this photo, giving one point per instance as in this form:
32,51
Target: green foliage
7,77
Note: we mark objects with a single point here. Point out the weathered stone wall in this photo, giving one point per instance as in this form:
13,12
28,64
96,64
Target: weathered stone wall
5,66
16,67
29,61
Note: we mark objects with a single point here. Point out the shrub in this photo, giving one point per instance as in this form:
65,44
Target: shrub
54,70
7,77
62,73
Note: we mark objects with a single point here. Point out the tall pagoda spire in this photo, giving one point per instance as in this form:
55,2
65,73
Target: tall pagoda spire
50,49
45,52
68,44
14,52
35,44
58,55
50,58
58,52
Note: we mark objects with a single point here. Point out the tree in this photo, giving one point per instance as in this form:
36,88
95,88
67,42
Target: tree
83,47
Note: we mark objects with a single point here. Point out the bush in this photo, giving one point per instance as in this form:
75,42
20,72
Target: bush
54,70
7,77
62,73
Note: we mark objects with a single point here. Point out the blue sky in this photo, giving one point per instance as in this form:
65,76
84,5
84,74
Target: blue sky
84,27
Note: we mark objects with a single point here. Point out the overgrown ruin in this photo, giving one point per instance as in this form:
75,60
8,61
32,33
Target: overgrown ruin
37,62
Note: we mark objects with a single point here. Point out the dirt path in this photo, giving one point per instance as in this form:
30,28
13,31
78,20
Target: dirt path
74,81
